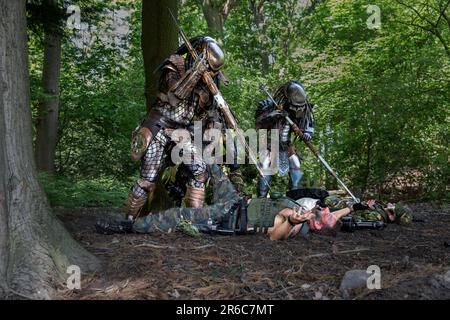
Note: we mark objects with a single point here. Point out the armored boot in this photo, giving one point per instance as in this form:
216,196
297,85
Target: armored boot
136,202
195,197
263,187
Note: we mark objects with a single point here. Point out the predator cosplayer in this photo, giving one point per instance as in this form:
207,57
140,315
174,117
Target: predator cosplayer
293,100
182,94
281,217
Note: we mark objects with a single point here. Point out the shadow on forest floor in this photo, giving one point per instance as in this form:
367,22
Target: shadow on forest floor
414,262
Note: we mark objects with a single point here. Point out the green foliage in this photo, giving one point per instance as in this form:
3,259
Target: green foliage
382,94
386,102
78,192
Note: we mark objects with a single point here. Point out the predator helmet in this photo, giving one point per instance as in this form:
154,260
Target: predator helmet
293,97
204,45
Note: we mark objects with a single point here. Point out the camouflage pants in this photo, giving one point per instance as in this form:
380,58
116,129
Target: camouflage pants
225,196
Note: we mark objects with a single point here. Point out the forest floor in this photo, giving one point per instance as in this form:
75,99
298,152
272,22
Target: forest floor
413,260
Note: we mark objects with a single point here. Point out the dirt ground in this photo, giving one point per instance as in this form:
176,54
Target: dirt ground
413,260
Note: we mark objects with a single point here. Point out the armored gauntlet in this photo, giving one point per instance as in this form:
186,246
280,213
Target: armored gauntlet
183,88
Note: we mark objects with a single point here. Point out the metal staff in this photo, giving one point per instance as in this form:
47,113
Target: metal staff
309,144
223,106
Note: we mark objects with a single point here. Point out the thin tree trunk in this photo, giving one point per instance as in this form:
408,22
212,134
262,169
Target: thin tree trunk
216,13
257,7
4,234
213,16
368,163
47,122
159,39
35,249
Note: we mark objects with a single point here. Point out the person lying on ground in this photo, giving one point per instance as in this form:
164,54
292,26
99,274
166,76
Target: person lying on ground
398,213
279,217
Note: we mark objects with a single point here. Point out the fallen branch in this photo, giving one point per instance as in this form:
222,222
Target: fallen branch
155,246
203,247
318,255
22,295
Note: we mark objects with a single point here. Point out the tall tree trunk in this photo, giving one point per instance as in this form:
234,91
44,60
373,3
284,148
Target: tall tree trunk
216,13
47,122
257,7
159,39
35,249
4,235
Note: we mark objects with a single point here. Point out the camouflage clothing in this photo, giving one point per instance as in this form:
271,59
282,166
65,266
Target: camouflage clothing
225,196
376,214
335,202
403,214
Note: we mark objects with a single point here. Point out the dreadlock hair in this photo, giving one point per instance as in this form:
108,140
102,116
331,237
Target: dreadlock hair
196,43
280,95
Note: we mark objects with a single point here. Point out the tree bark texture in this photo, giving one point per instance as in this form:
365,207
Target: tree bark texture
35,249
257,8
216,13
158,40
